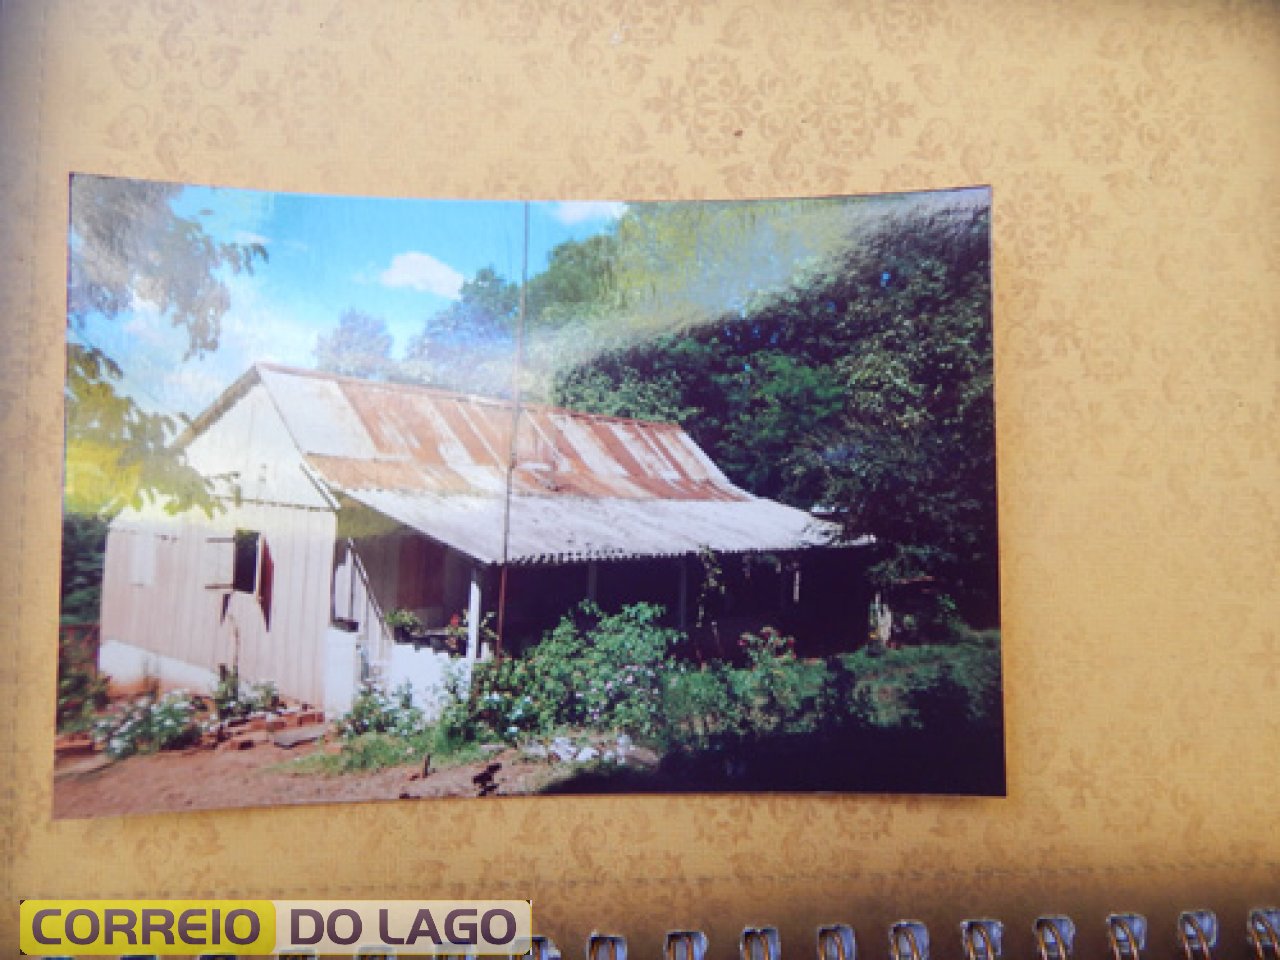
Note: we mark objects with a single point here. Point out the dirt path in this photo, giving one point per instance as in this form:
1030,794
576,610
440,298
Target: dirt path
204,778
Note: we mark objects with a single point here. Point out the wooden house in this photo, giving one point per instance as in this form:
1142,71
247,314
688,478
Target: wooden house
344,500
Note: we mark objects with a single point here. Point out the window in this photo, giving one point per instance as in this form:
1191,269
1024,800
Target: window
242,564
244,576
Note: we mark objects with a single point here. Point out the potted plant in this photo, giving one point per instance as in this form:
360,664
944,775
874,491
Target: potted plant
404,623
453,641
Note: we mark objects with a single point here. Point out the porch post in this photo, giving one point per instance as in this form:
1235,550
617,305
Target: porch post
683,604
474,613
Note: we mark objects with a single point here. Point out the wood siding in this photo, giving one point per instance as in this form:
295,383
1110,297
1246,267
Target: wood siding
167,583
185,613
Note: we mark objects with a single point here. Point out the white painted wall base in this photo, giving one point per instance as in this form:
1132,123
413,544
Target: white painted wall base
426,671
127,664
341,671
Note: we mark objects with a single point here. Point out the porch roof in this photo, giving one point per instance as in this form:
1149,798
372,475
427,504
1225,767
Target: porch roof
542,530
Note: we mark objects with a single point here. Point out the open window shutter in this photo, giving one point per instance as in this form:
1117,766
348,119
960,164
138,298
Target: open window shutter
266,582
218,562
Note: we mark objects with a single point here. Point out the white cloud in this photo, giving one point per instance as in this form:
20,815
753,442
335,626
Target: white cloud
580,211
248,236
253,330
423,272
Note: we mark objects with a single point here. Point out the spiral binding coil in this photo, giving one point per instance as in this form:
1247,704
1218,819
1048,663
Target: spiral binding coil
606,947
982,939
1197,933
1264,933
909,940
685,945
760,943
1127,935
1055,937
837,942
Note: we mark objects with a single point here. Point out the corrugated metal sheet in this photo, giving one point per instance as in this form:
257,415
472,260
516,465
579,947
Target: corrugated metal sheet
565,529
584,486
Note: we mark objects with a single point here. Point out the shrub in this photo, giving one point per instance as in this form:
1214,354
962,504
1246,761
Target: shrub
403,619
716,706
373,751
374,711
594,670
263,697
227,702
232,698
937,702
82,691
778,691
147,725
700,708
501,704
606,673
844,701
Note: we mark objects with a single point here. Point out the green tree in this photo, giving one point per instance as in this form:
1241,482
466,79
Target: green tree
360,346
84,541
486,309
580,282
863,386
469,345
128,247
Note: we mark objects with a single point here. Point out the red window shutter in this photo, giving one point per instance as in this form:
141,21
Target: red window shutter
266,583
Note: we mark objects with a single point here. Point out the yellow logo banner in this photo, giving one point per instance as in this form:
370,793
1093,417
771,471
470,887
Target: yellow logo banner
94,928
191,927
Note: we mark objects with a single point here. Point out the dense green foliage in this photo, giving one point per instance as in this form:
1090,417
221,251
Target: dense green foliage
82,690
84,542
603,675
594,670
864,387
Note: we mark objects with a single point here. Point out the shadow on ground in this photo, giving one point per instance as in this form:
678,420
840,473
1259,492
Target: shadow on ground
956,758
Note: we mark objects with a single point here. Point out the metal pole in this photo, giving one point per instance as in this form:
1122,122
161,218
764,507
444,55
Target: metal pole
515,430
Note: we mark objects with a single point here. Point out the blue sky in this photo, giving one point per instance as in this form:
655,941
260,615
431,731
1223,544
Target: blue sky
402,260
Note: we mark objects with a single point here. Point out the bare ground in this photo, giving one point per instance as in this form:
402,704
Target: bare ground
208,778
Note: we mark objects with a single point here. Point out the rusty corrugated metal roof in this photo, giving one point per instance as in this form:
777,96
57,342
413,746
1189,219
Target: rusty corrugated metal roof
584,486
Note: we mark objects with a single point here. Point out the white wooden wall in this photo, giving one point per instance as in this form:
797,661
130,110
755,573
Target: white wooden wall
156,594
353,600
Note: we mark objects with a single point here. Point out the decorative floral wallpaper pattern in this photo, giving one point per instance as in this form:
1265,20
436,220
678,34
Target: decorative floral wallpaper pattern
1133,147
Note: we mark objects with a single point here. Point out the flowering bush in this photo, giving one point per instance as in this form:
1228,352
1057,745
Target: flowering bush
147,725
605,671
232,698
501,705
594,670
375,711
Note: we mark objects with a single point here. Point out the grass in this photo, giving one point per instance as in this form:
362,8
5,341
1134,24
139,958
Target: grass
368,752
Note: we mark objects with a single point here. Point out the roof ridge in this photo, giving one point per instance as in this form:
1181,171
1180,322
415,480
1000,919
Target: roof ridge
457,396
